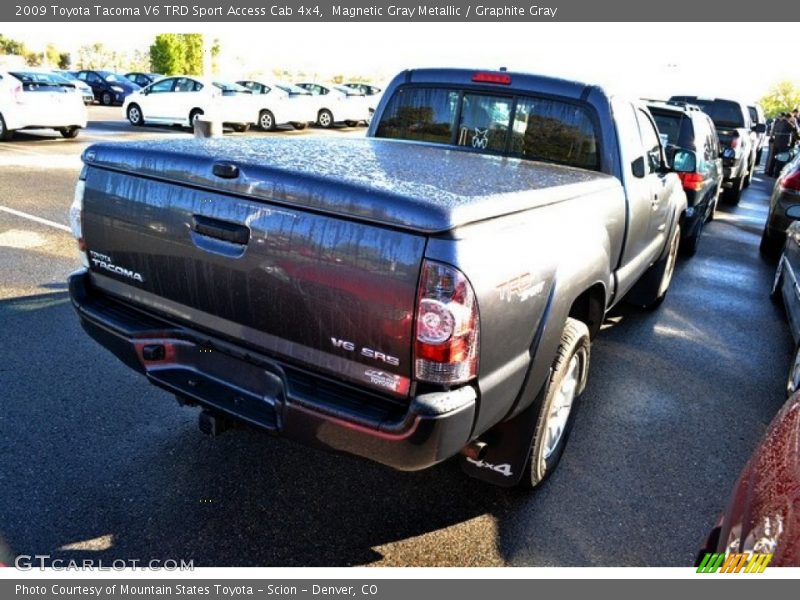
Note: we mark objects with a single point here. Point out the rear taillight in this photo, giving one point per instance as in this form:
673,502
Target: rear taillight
75,216
497,78
691,181
791,181
446,348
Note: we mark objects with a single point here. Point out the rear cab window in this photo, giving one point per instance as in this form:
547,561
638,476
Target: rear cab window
513,124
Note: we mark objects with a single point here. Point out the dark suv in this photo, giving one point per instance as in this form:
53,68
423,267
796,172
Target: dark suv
692,147
734,128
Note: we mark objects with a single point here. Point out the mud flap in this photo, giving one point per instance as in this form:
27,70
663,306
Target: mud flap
508,445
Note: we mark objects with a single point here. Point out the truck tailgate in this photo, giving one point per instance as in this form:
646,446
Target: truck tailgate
313,289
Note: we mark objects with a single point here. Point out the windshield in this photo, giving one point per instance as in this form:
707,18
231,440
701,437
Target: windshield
292,89
39,78
724,113
229,87
527,127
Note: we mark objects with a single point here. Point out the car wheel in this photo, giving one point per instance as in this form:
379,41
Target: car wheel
793,380
567,381
299,126
769,247
69,132
266,120
688,246
351,123
734,194
240,127
135,115
759,155
5,133
194,115
651,289
749,175
107,99
325,118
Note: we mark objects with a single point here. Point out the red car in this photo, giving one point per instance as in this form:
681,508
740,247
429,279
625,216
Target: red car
764,512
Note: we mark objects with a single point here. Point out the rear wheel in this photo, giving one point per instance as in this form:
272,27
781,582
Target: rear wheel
241,127
194,115
135,115
106,99
5,133
69,132
688,246
266,120
351,123
734,194
567,380
325,118
770,247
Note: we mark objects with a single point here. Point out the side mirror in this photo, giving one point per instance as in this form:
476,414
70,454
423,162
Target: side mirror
793,212
684,161
638,167
760,128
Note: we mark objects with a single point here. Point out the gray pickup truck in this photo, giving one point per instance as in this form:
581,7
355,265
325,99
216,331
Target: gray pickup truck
425,292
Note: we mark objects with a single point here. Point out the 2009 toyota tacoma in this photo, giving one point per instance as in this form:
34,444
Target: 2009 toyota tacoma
425,292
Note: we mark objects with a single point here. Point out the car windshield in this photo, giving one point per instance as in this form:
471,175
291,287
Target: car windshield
40,78
724,113
292,89
543,129
231,88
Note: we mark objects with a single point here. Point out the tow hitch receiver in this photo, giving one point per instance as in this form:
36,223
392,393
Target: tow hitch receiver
213,424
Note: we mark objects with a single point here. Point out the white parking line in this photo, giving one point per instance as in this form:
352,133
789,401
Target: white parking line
24,215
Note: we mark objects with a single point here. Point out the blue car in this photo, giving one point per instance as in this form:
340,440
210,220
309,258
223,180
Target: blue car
108,88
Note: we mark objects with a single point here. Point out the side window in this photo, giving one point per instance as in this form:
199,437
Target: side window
650,141
184,84
628,132
165,85
82,75
92,78
484,122
197,86
703,144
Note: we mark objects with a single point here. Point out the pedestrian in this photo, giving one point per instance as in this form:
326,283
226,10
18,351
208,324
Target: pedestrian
783,137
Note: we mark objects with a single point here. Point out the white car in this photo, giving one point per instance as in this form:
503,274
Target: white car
181,99
336,104
372,92
81,86
34,99
278,103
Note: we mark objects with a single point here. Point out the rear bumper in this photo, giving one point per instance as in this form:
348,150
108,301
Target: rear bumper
266,393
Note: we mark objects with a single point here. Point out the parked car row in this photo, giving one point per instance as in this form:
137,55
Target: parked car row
181,99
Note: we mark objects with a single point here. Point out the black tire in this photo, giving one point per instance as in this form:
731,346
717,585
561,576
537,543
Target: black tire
266,120
241,127
759,155
734,194
650,291
69,133
193,116
748,177
351,123
688,246
548,443
5,133
325,118
769,247
135,116
299,126
106,99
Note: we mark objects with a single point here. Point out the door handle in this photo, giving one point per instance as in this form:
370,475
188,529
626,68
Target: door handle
221,230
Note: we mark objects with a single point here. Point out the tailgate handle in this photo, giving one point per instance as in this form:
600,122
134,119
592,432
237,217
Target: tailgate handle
226,170
221,230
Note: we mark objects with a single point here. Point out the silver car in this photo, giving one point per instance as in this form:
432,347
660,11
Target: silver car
784,205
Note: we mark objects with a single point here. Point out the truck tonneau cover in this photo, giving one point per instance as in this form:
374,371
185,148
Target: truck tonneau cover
413,186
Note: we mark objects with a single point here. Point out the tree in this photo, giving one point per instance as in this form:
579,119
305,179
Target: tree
782,97
174,53
64,60
94,56
9,46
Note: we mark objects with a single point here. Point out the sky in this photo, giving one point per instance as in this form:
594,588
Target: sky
640,59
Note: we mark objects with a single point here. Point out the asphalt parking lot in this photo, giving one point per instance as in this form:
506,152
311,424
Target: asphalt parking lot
96,463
